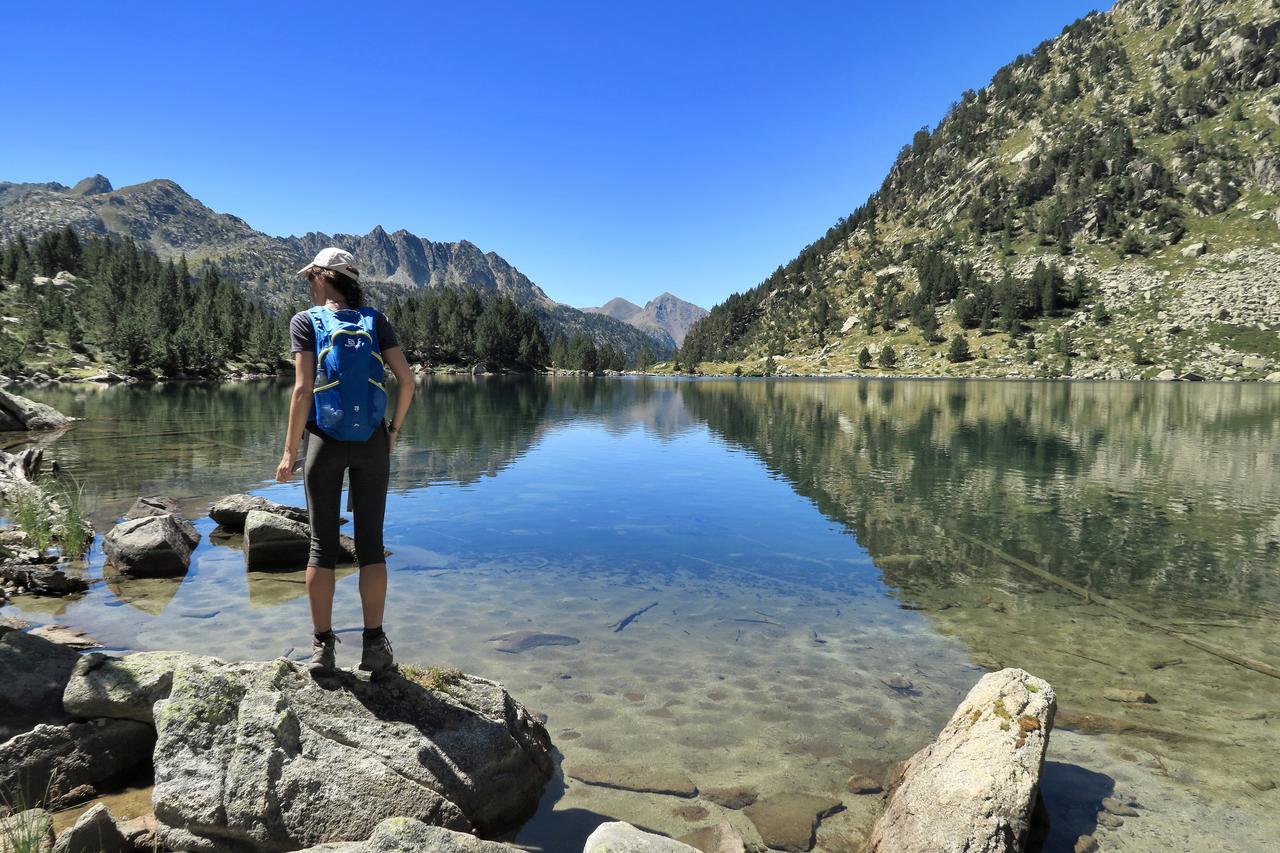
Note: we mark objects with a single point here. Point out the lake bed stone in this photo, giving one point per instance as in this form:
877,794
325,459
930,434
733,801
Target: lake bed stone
643,778
789,821
733,797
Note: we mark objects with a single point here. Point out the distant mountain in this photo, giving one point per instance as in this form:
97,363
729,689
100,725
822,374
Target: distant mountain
667,318
617,308
163,217
1138,152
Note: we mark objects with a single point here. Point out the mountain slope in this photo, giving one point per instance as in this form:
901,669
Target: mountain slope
667,318
1139,150
161,216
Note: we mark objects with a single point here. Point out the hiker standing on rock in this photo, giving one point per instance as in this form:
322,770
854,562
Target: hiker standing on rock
342,349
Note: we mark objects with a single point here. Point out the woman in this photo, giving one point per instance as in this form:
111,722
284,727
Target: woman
335,286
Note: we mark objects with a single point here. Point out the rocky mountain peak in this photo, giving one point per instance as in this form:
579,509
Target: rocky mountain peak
94,185
666,316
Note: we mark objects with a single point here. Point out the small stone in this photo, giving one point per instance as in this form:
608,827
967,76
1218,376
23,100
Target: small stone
1115,807
692,813
1133,697
864,785
1109,820
736,797
1086,844
1262,784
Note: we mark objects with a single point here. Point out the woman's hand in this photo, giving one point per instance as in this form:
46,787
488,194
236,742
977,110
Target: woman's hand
284,471
392,434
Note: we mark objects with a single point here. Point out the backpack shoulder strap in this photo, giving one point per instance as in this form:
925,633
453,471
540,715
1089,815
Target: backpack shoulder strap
369,319
320,321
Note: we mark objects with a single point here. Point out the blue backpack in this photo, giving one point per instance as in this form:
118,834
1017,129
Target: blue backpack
350,399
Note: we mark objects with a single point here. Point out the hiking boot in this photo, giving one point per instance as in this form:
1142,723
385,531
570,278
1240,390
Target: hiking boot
376,657
322,655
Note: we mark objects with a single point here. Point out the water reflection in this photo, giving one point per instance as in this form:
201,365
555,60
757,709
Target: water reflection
803,544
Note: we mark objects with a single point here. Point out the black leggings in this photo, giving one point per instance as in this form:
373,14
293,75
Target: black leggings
370,465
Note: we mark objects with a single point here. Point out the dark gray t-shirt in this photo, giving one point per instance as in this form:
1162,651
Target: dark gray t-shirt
302,333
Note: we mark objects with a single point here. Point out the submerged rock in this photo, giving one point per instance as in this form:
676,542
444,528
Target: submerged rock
789,821
649,779
734,797
718,838
621,837
515,642
152,546
260,755
62,765
974,788
1133,697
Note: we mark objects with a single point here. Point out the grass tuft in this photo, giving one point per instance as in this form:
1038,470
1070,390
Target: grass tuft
431,677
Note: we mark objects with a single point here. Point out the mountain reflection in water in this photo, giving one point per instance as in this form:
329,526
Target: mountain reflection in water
779,637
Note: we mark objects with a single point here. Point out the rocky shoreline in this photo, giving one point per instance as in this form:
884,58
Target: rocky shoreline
243,757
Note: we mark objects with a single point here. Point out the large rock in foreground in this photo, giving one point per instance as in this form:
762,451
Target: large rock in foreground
261,756
974,788
406,835
19,413
123,688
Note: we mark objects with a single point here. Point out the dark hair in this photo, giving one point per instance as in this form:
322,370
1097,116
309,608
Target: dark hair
344,284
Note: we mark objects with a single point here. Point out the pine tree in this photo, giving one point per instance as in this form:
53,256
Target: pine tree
644,358
888,358
959,350
864,358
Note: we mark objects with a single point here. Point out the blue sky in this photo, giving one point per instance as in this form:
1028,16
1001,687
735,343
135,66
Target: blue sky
603,148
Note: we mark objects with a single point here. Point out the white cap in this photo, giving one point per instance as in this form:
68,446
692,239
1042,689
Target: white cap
338,260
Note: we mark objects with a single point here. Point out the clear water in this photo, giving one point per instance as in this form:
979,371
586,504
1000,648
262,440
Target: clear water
798,550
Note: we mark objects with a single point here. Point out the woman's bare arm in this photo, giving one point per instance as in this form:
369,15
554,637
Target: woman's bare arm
304,378
405,387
